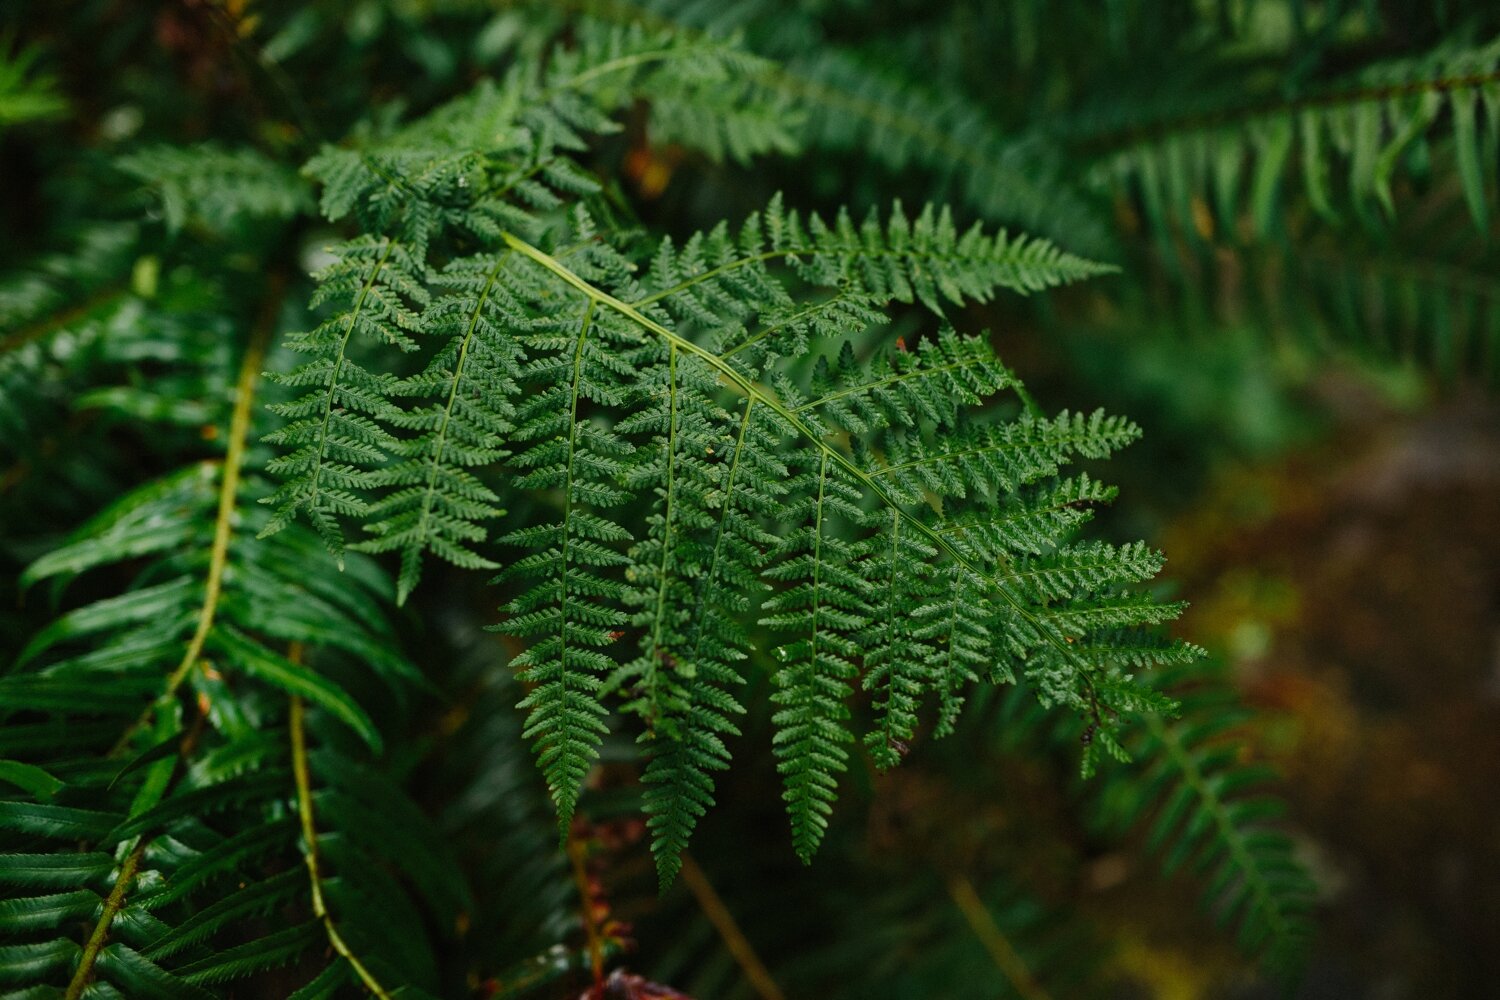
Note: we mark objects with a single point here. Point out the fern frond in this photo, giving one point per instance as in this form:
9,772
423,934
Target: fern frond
989,461
161,804
495,158
1441,313
706,93
1361,132
367,919
499,157
439,505
1437,306
334,444
717,278
933,382
216,186
569,611
1205,808
845,103
171,851
690,663
188,796
895,119
1085,568
1031,521
827,604
834,564
134,632
904,661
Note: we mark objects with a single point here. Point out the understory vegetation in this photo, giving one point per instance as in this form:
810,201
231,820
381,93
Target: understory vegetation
451,452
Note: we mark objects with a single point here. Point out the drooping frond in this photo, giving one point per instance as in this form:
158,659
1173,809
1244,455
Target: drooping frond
1206,809
342,432
439,505
707,94
163,732
719,474
335,446
849,529
823,603
1345,143
840,102
855,107
1339,293
571,611
1442,313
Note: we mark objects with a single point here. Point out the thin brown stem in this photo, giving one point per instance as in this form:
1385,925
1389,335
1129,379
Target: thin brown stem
756,973
1000,950
578,857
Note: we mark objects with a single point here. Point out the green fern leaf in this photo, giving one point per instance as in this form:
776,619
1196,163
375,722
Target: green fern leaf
827,607
1367,125
439,505
834,561
335,445
568,610
218,186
